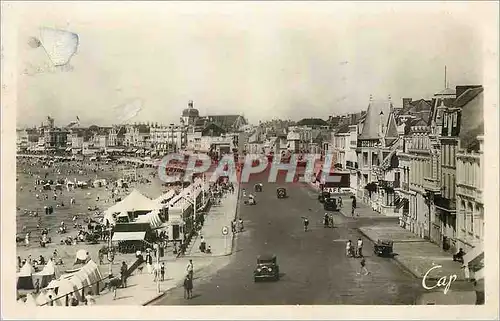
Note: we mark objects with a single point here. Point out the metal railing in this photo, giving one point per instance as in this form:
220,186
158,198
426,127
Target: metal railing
95,291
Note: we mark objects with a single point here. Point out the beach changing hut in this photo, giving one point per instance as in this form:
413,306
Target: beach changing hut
47,274
87,278
25,277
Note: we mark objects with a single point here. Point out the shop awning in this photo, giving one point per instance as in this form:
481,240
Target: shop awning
474,255
128,236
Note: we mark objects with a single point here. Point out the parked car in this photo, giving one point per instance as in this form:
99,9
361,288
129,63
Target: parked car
330,204
267,268
323,195
281,192
383,248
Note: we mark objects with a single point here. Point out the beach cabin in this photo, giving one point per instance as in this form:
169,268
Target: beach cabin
87,277
25,277
47,274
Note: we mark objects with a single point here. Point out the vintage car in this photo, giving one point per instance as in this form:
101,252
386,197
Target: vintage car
330,204
267,268
323,195
257,187
383,247
281,192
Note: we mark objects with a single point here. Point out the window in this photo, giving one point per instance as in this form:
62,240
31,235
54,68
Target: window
452,187
445,119
471,213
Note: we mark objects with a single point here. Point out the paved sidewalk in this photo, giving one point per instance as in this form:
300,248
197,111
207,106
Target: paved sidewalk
362,210
217,218
415,254
141,287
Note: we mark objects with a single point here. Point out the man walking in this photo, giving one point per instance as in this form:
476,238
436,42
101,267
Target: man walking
348,247
162,271
353,206
123,272
188,287
363,267
190,269
359,249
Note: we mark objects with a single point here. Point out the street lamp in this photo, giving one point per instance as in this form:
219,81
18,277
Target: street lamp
110,253
158,267
192,202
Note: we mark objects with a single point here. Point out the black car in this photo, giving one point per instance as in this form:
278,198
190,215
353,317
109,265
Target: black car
281,192
330,204
267,268
383,248
323,195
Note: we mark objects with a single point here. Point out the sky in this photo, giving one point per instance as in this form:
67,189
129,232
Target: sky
287,60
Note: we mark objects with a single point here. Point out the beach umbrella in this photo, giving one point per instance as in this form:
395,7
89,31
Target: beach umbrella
82,255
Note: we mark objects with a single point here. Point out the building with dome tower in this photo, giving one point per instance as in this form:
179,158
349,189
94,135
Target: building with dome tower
190,115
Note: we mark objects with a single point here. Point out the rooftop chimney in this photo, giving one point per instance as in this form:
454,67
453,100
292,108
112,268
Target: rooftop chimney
406,102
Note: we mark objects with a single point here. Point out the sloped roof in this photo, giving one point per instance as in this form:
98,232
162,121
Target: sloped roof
472,119
392,129
342,129
135,201
467,96
226,121
446,92
374,117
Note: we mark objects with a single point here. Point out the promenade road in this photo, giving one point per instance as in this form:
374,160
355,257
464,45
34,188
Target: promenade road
313,264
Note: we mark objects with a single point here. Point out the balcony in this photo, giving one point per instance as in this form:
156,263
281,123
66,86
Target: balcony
388,184
445,203
351,165
432,185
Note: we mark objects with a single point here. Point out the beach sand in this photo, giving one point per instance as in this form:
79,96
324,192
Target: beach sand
83,198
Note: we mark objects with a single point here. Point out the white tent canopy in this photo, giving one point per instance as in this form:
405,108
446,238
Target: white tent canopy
153,218
85,276
135,201
48,269
26,270
165,197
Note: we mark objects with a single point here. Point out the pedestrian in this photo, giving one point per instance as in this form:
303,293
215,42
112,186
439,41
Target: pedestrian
101,257
188,287
149,262
359,249
114,283
340,202
363,267
162,271
89,298
348,248
74,300
124,274
190,269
